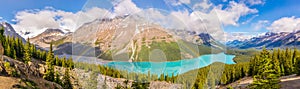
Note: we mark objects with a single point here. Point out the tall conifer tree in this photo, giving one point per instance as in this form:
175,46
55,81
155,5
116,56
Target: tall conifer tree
266,77
49,75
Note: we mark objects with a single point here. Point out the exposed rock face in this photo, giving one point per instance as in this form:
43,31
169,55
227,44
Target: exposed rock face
269,40
198,38
111,83
10,31
164,85
21,72
206,39
45,38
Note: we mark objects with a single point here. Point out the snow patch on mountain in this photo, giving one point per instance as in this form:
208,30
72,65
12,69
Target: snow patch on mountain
10,31
269,40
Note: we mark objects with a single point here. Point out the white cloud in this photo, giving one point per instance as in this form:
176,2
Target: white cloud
206,21
195,21
126,7
260,24
74,20
205,4
285,24
177,2
232,14
185,1
35,21
200,21
255,2
240,35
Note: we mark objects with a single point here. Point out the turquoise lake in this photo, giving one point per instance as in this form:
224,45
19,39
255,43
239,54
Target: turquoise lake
176,67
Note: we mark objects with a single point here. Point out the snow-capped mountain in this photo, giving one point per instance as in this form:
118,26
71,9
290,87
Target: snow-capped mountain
45,38
269,40
10,31
31,34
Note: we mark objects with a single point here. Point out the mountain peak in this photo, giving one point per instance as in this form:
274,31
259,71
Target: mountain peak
51,30
270,34
10,31
7,27
47,37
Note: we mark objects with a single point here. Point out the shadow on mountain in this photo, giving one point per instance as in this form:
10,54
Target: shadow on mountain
77,49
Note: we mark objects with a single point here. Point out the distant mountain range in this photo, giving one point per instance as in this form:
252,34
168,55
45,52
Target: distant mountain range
269,40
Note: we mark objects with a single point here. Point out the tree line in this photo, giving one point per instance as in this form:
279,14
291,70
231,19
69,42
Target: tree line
265,67
268,66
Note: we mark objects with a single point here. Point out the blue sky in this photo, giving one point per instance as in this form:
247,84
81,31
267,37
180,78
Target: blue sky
10,7
260,17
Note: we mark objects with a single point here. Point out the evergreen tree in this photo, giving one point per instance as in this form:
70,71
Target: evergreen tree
276,62
298,65
294,56
1,31
8,50
49,75
14,54
57,78
253,65
63,63
288,62
66,80
162,77
27,54
70,63
266,77
57,61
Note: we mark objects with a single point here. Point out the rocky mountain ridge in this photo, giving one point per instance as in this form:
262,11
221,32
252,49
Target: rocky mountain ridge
269,40
44,39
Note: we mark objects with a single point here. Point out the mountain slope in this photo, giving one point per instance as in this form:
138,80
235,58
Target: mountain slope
269,40
44,39
10,31
128,36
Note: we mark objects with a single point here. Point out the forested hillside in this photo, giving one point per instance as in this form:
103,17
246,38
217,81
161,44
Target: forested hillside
14,48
